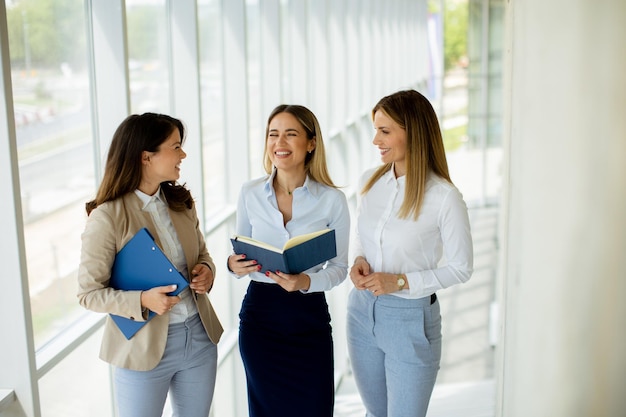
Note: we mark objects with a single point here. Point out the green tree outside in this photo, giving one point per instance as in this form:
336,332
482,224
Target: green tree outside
42,33
455,32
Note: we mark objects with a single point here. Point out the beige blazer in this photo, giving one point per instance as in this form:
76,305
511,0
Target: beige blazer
108,228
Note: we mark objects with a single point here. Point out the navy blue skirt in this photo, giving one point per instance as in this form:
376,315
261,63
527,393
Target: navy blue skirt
286,345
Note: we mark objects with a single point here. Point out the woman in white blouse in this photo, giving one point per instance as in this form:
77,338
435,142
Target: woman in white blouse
410,216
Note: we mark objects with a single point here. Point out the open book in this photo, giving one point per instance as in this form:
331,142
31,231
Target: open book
298,254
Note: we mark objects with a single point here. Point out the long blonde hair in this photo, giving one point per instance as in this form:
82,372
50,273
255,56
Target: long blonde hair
315,162
424,146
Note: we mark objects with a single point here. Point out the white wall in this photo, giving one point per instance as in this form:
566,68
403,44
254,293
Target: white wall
563,350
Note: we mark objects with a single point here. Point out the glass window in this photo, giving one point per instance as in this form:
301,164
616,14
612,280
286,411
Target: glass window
148,56
231,384
78,386
482,129
256,120
285,47
212,104
52,115
227,291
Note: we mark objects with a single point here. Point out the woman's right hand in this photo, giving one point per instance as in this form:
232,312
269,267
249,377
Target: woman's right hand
359,271
157,300
239,265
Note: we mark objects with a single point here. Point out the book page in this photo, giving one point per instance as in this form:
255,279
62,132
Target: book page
258,243
296,240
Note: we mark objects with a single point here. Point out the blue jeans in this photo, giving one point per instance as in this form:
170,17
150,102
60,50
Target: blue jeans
187,370
395,348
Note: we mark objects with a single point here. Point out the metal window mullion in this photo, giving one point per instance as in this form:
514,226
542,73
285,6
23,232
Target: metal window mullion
110,84
185,91
270,61
298,52
353,73
320,93
366,56
336,45
17,357
235,93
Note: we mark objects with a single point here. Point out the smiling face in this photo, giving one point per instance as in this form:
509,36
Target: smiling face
162,165
390,138
287,142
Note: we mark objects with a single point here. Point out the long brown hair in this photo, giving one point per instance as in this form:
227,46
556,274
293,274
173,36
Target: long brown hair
315,161
122,172
424,146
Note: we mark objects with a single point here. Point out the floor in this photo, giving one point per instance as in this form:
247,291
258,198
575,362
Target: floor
465,385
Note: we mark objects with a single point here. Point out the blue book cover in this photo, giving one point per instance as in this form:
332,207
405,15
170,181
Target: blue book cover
299,253
141,265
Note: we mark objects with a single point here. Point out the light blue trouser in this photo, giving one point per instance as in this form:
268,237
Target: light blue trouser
187,370
395,348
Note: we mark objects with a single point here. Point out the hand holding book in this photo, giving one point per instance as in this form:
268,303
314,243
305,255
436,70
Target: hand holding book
297,255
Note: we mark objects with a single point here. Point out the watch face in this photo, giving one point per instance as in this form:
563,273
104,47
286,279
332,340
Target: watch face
401,282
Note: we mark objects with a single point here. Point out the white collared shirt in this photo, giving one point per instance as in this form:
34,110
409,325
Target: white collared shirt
156,205
314,207
435,251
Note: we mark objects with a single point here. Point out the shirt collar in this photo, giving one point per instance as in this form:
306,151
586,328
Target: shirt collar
390,176
146,199
310,186
268,183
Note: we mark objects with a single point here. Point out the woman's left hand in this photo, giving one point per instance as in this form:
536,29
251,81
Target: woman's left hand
380,283
289,282
201,279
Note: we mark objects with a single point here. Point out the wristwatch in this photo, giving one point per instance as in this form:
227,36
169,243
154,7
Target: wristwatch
401,281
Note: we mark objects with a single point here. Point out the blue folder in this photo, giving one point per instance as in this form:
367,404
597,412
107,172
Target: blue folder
138,266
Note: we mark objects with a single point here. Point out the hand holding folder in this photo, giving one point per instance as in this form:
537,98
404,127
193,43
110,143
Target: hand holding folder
141,265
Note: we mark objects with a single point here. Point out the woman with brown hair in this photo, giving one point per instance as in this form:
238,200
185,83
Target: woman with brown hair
175,351
410,215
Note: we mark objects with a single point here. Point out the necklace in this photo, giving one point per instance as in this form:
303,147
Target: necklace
283,188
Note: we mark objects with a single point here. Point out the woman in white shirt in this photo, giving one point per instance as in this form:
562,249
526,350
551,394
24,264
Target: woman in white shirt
284,333
410,215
